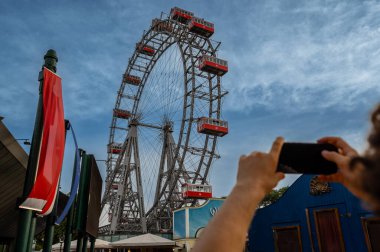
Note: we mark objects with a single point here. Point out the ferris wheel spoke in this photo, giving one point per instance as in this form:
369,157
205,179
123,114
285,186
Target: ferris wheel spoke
161,80
161,71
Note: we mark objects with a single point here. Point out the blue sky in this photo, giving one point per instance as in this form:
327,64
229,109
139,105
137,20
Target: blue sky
301,69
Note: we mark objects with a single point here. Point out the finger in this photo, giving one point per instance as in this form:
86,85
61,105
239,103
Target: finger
331,178
333,156
279,176
254,153
324,178
276,147
337,177
339,143
242,157
328,139
353,174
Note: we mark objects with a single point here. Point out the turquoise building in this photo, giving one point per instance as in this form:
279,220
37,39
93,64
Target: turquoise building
189,222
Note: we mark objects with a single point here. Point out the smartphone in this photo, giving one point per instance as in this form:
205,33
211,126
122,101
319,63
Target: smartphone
306,158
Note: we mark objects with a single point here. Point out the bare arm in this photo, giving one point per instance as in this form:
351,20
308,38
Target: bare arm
256,177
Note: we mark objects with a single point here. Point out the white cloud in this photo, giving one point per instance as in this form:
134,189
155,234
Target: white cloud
310,57
321,57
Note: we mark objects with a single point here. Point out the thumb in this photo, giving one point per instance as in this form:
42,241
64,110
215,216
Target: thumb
279,176
333,156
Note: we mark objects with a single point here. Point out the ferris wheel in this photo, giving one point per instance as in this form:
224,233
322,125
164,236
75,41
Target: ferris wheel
165,125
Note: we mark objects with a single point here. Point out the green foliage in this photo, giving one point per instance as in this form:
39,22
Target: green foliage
273,196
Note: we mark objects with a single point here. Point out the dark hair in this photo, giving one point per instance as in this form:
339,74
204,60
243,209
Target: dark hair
371,159
374,137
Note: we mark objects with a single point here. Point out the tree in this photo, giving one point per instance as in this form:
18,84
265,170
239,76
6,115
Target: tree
273,196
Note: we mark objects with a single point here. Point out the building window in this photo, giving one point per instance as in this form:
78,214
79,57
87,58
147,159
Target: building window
287,239
329,232
371,228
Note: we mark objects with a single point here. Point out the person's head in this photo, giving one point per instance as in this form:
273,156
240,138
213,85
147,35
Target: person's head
371,162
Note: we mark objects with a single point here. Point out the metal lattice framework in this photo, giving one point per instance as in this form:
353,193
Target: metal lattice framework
159,146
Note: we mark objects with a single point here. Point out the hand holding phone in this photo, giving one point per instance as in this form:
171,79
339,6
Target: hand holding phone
306,158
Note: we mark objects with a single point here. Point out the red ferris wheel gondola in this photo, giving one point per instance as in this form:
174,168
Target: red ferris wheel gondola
213,65
201,27
212,126
159,25
181,15
196,191
115,148
145,49
122,114
131,79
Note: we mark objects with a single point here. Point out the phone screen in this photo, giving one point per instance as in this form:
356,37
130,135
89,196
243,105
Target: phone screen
306,158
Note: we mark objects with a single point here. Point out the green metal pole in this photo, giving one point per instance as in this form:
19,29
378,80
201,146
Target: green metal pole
85,240
79,213
69,220
31,232
51,218
92,244
49,229
25,216
68,231
79,243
